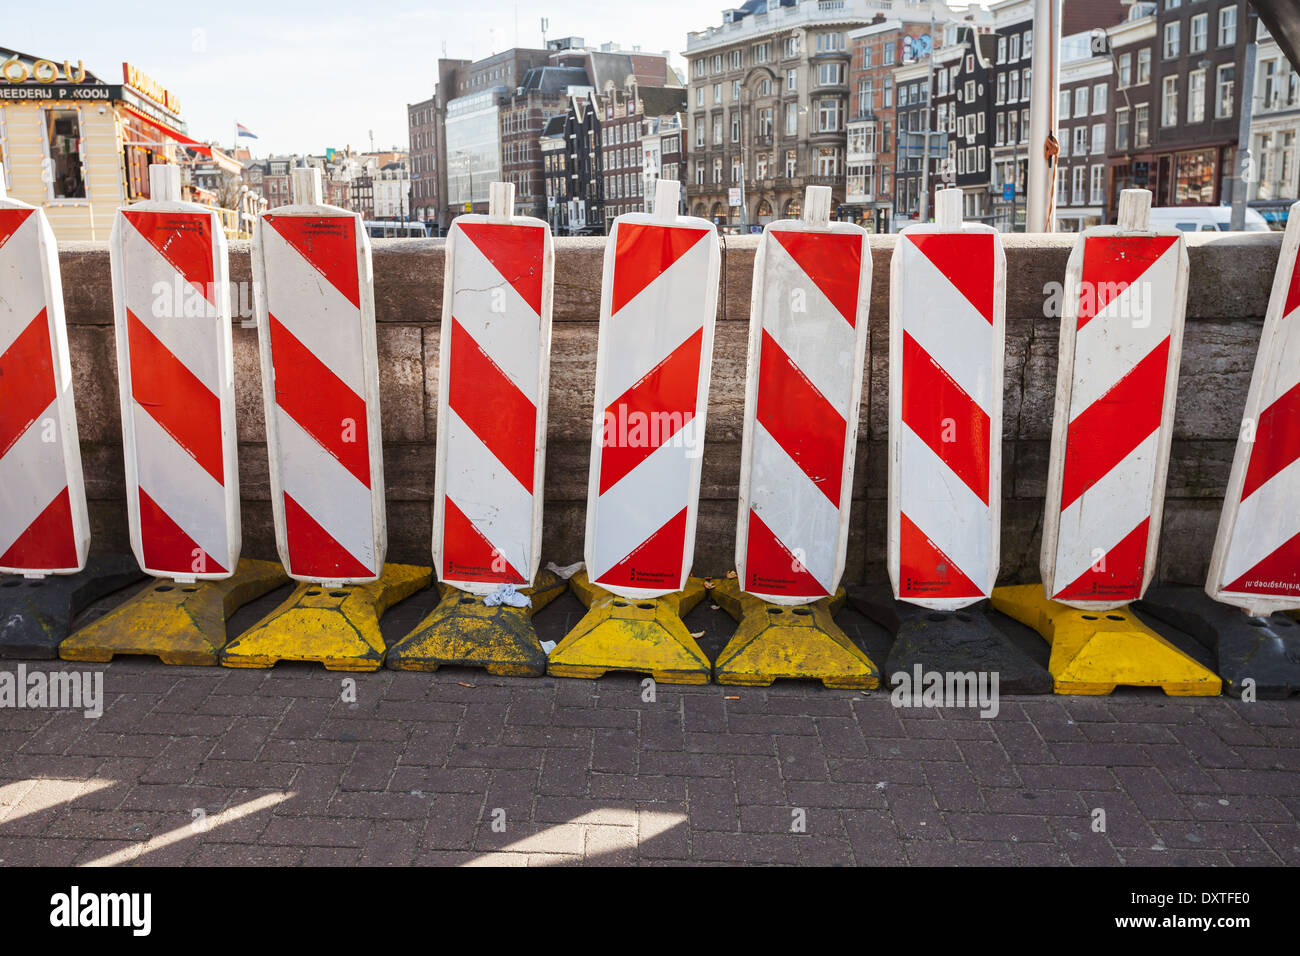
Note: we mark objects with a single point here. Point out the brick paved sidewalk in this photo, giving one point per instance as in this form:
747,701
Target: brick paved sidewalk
419,768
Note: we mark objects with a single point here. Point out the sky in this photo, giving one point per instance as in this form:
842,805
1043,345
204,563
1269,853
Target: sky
305,76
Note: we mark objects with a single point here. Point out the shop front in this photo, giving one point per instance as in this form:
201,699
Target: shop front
79,146
1190,177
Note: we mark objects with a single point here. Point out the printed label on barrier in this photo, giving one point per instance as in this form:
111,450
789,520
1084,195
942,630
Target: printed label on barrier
947,334
320,378
658,304
808,336
494,363
172,313
44,526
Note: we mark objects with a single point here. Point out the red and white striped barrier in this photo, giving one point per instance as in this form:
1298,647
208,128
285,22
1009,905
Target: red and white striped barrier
176,380
657,308
1256,559
44,527
494,367
947,329
314,295
807,346
1121,338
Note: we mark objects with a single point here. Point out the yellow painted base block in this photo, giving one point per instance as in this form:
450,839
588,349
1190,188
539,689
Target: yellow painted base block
777,641
621,634
463,630
337,627
1093,652
177,623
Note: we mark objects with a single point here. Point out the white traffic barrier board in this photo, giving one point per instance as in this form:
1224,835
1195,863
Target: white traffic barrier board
1256,559
175,369
44,526
494,366
1125,301
947,328
807,346
658,303
314,295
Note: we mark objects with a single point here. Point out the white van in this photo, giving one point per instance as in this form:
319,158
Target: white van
1204,219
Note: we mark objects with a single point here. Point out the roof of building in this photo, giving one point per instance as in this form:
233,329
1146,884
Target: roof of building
554,126
553,79
660,100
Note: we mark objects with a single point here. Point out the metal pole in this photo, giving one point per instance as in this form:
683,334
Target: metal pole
1042,113
1240,182
925,149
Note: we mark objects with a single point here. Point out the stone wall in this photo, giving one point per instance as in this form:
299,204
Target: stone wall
1231,277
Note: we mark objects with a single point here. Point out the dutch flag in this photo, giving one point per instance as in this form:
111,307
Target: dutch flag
243,130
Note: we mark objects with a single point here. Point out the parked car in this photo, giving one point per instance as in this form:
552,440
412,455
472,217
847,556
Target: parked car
1204,219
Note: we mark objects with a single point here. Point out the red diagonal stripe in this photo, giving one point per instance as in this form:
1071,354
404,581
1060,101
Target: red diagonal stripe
1293,290
26,380
651,412
328,244
645,252
174,397
800,419
515,252
313,551
924,570
833,261
1110,428
166,545
10,221
966,260
1277,441
319,401
943,416
492,406
1279,573
1120,575
656,562
184,240
467,555
771,567
1111,265
48,542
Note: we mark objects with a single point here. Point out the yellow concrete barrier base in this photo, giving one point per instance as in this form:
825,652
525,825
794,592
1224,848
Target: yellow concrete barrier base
622,634
177,623
1093,652
337,627
777,641
463,630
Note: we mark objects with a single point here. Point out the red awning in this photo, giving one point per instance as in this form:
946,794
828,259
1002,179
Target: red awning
168,131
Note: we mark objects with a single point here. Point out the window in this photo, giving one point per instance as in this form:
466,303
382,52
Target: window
765,122
1223,92
717,169
1081,141
1228,26
866,102
1169,102
1122,128
1002,49
737,171
1099,137
1062,198
717,130
1077,190
1013,49
830,74
791,80
791,119
1141,125
716,63
63,144
1200,30
866,56
970,91
1196,96
1065,145
1144,66
791,163
1125,69
735,126
830,161
736,59
765,87
1063,105
830,42
1028,45
1173,4
830,116
791,46
761,53
1173,36
717,93
888,95
1098,99
1013,87
1001,95
1000,130
1096,190
699,67
735,90
1081,101
699,96
1026,75
888,51
699,173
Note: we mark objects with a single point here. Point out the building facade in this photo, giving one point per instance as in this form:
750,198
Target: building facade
1274,126
423,139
